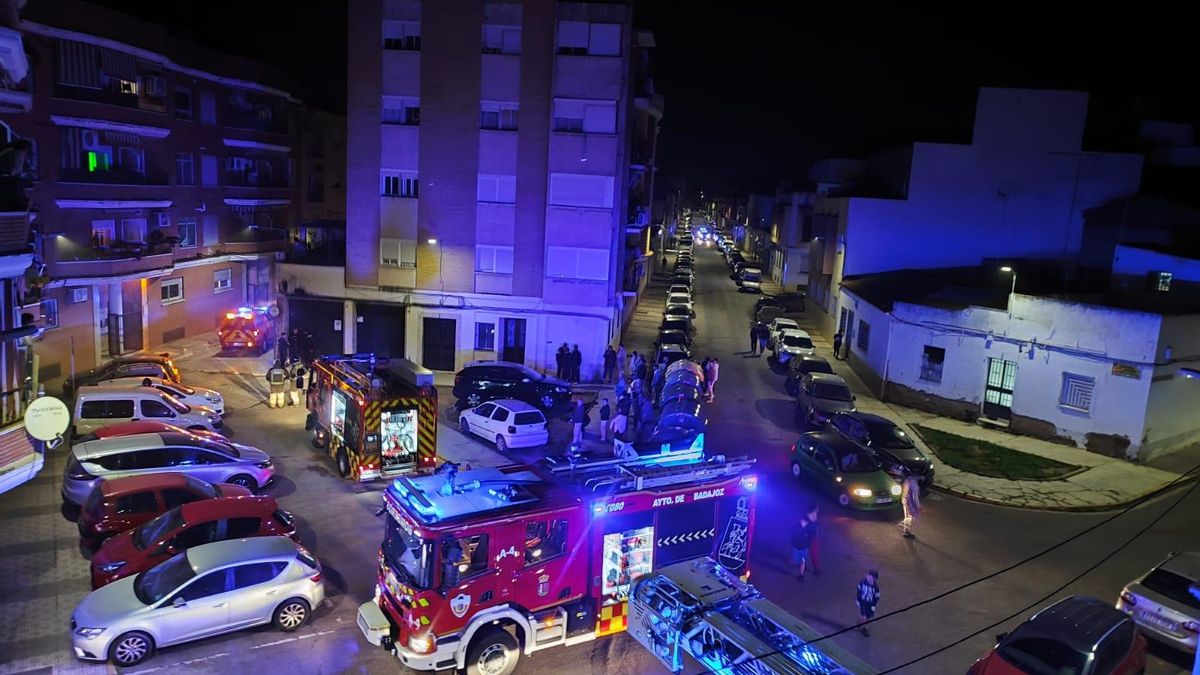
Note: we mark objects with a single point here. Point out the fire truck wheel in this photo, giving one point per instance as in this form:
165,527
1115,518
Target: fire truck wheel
495,652
317,439
343,464
291,614
501,446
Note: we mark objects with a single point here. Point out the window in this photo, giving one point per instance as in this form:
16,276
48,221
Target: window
573,37
212,231
183,104
402,35
156,409
400,253
401,110
185,170
397,184
154,86
864,335
253,574
172,291
133,229
223,280
140,502
439,343
591,116
1159,282
501,116
485,336
132,160
497,189
500,414
49,313
565,262
208,585
574,189
187,232
1076,391
604,39
501,39
238,528
174,497
208,170
208,108
494,259
103,233
544,539
201,533
931,363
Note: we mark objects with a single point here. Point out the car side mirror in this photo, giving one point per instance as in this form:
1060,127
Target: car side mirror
178,602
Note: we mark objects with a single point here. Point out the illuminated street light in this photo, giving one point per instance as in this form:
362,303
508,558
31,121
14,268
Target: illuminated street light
1012,294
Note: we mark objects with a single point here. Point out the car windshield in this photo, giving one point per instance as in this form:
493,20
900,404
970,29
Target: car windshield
888,436
677,309
156,530
797,341
409,556
159,581
1172,585
221,447
856,460
814,366
185,390
1043,656
831,392
200,487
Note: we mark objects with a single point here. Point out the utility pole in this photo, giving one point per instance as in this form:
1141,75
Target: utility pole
1079,157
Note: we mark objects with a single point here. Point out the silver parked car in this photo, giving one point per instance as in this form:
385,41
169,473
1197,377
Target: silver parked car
203,457
207,590
1160,604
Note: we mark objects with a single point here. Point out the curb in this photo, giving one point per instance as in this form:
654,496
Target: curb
1067,509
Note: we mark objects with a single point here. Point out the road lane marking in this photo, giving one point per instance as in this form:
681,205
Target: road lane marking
275,643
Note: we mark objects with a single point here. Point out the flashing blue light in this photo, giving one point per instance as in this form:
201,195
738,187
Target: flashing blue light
750,482
598,508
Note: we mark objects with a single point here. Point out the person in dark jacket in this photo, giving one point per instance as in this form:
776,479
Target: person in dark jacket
868,599
754,338
576,364
277,378
801,539
283,349
646,419
610,363
560,360
578,413
297,382
764,335
605,416
837,345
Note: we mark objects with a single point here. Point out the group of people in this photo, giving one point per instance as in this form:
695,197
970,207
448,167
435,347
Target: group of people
569,362
759,337
285,381
298,346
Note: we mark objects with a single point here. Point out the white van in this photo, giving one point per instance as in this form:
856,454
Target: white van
97,407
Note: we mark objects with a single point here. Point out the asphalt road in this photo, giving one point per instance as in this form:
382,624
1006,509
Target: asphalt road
43,575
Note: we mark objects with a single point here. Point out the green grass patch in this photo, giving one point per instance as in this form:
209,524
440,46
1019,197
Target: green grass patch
989,459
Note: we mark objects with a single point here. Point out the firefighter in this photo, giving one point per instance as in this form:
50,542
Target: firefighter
297,382
277,378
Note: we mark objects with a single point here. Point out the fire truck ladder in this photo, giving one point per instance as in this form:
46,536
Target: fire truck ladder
368,373
727,626
646,472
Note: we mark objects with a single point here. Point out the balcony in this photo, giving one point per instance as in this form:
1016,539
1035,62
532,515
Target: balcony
251,121
239,179
14,233
254,240
114,177
76,262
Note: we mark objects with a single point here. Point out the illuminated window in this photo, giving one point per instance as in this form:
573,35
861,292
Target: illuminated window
222,280
544,539
398,184
1159,282
99,160
405,35
187,232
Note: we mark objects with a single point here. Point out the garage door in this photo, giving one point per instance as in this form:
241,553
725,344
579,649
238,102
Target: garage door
381,329
318,317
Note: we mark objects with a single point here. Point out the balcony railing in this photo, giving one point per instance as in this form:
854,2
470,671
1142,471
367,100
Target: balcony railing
243,180
14,232
248,120
113,177
129,259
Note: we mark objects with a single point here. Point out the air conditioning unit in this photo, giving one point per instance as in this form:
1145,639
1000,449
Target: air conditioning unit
164,220
91,141
79,294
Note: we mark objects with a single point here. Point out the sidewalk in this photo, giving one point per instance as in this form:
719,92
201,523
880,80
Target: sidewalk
1101,483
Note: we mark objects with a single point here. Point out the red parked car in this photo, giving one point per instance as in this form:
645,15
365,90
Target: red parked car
119,504
144,427
1076,636
186,526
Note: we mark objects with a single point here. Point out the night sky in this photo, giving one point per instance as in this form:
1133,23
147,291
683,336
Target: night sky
755,94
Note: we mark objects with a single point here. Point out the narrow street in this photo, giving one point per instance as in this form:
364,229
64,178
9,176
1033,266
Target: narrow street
44,574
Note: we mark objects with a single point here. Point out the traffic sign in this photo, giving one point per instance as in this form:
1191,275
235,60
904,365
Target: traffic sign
47,418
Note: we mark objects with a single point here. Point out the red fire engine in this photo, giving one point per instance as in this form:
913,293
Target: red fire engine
247,328
376,417
481,566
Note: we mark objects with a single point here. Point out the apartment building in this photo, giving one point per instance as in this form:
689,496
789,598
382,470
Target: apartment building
163,180
499,175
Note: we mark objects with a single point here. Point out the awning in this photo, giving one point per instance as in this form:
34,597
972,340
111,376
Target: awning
118,64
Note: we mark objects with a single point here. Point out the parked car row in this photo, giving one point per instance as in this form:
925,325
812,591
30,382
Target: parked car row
676,332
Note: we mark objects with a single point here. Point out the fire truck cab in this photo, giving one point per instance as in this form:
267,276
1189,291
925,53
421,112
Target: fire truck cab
481,566
251,329
376,417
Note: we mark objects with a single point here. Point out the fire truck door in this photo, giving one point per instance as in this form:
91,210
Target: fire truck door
469,573
541,567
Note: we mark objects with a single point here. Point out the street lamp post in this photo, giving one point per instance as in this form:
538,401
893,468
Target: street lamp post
1012,294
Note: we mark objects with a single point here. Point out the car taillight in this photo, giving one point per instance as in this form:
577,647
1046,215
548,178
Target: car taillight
316,577
77,472
1191,626
1128,598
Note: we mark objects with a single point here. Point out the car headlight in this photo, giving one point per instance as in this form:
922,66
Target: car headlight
421,643
88,633
109,568
861,492
264,465
560,390
212,396
896,490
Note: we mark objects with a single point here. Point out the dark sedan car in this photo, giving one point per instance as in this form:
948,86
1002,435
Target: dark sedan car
893,447
481,381
673,337
148,365
801,366
684,325
821,396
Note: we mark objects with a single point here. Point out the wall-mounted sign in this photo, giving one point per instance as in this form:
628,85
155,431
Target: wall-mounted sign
1126,370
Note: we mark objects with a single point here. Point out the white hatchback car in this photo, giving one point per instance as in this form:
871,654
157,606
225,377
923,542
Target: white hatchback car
792,343
207,590
777,326
680,299
507,422
180,392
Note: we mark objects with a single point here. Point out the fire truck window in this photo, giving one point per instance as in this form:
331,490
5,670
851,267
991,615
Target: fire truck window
501,415
463,558
544,539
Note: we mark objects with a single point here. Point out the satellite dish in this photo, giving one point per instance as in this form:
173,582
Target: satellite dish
47,418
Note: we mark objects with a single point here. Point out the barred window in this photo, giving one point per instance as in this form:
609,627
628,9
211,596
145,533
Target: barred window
1077,391
864,335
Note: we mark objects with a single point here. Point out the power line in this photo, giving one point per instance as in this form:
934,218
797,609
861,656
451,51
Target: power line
1044,598
1132,505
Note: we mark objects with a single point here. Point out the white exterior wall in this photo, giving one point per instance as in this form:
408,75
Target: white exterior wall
1172,419
876,354
1079,339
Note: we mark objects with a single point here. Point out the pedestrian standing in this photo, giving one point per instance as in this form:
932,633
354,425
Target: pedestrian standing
754,338
646,419
643,370
664,261
763,334
800,539
577,417
621,357
620,423
710,378
282,349
297,381
605,419
621,388
837,345
814,540
576,364
610,364
560,361
635,390
656,380
277,381
910,499
868,600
